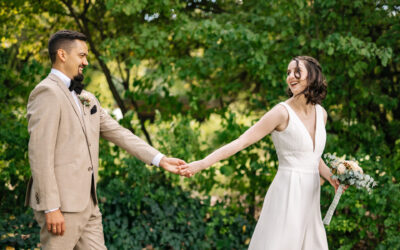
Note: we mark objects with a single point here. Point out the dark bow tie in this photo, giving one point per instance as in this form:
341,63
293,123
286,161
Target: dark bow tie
76,85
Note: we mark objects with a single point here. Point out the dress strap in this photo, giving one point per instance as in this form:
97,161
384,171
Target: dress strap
284,104
320,115
288,108
291,115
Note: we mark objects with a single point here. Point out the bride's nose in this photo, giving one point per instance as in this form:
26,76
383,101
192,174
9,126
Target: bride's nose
290,76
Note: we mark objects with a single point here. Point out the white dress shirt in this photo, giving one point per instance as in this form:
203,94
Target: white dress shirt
67,81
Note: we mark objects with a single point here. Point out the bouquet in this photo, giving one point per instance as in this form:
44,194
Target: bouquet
348,173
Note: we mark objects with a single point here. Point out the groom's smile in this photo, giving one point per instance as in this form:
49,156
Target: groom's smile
76,59
81,69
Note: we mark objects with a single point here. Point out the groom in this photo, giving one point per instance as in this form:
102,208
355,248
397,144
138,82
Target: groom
65,123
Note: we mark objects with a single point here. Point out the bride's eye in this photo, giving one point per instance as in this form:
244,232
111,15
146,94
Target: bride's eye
297,73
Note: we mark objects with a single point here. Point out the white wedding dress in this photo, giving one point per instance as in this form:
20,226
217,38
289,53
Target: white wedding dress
291,216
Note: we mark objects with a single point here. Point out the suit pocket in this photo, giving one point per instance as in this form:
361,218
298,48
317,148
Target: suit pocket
94,124
93,110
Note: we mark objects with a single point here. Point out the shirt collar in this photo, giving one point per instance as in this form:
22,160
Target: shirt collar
62,76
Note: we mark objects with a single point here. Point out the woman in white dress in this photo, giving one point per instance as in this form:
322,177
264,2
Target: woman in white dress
291,216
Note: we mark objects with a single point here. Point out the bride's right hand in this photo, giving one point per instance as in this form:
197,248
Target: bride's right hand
193,168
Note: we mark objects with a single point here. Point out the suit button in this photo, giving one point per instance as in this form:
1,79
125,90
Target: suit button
89,169
90,144
37,198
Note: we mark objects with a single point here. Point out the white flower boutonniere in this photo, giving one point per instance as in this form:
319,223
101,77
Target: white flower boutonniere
85,99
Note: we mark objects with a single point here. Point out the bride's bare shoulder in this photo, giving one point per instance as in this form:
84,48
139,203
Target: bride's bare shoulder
280,110
281,115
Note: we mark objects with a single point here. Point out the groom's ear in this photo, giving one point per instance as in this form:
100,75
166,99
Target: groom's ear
62,55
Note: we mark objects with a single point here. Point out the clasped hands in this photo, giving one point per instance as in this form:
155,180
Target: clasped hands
178,166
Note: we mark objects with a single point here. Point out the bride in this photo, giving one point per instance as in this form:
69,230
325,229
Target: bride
291,216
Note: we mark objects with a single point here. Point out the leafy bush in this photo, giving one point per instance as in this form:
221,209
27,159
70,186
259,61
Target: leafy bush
147,208
143,208
20,231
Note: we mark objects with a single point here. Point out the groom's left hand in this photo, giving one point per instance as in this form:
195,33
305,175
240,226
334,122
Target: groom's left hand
173,165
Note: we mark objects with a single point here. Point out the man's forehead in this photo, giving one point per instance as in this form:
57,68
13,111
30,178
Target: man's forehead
83,50
81,46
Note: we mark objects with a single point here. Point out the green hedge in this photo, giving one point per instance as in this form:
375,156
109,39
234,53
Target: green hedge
141,208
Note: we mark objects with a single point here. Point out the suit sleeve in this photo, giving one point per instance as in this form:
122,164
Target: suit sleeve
112,131
43,122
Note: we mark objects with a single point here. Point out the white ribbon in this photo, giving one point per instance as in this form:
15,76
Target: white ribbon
333,205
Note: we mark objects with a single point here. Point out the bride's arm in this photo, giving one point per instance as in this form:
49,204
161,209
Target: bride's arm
276,117
324,170
326,173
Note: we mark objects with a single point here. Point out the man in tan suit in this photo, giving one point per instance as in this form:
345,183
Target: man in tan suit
65,123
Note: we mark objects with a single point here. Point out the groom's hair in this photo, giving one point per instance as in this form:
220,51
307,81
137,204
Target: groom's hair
63,39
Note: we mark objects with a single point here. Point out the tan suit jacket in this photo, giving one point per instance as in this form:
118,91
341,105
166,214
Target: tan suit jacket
64,146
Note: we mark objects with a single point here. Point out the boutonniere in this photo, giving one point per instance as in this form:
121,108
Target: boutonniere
85,99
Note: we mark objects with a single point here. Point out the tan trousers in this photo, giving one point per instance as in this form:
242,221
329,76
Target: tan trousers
83,231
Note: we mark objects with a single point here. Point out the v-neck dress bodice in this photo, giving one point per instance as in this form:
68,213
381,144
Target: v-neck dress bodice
294,145
291,217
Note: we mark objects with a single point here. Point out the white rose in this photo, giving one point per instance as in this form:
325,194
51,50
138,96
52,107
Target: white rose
353,165
341,168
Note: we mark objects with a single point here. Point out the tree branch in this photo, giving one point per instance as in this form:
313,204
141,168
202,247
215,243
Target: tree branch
85,29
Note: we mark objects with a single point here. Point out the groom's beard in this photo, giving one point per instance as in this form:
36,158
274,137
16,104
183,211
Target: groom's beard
79,78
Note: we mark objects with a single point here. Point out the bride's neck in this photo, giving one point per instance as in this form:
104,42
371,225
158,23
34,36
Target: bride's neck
300,104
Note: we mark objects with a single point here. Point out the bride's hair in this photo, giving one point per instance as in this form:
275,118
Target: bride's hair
316,88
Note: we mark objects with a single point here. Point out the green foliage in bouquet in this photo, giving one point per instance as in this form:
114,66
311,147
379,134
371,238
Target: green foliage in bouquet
348,172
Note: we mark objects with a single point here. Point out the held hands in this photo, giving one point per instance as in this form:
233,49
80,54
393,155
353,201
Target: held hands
173,165
192,168
178,166
55,222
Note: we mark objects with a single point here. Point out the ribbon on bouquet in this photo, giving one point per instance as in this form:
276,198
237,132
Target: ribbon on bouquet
333,205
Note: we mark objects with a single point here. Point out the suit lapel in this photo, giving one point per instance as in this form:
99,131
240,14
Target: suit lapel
83,108
85,116
69,97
